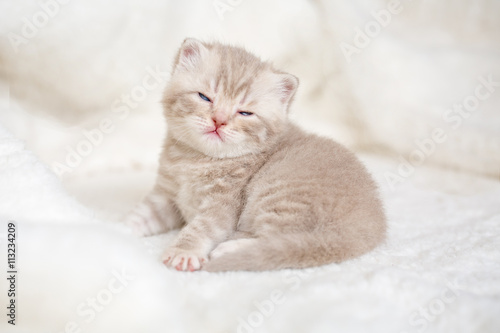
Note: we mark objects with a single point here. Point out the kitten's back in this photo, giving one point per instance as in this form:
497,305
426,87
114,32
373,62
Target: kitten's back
311,204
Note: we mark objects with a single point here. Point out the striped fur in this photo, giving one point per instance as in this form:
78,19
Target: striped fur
257,193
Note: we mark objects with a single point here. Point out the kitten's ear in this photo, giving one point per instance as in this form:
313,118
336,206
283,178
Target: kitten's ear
287,86
190,54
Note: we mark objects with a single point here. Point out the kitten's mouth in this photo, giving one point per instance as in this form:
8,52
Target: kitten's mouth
215,134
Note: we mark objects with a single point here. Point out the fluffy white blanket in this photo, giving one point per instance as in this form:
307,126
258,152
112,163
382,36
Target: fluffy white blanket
438,271
65,67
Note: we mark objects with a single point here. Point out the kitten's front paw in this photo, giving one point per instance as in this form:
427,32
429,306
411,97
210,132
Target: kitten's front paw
183,260
142,222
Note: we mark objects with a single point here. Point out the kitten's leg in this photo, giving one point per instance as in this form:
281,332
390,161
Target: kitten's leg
232,245
195,241
155,214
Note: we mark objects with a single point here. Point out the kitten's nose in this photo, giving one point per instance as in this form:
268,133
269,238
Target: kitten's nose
219,120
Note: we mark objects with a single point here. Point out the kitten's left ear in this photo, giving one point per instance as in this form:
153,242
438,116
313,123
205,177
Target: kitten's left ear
190,54
287,85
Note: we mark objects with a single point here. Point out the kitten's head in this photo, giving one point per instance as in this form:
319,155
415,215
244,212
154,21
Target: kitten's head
224,101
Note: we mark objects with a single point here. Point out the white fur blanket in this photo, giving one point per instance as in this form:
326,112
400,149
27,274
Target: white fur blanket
438,271
65,67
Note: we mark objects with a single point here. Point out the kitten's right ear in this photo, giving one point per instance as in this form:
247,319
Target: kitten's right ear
189,55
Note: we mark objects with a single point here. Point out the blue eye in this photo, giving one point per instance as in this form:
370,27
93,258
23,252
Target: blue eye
245,113
203,97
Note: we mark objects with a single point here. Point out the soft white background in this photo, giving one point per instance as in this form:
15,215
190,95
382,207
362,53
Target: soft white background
442,255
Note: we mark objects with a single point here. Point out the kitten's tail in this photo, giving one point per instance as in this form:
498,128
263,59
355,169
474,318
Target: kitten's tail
291,251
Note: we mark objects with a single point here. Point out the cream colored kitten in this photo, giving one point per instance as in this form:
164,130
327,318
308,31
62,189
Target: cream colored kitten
250,190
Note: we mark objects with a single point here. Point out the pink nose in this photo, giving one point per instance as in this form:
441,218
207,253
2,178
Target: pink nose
219,120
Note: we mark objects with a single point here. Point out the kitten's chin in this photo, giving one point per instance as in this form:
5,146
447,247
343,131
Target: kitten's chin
220,149
213,146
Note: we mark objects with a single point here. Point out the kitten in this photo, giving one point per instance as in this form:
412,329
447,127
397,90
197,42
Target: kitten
250,190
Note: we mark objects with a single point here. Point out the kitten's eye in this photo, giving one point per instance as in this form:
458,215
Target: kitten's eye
203,97
245,113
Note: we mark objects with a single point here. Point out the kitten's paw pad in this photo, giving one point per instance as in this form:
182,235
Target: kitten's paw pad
183,260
